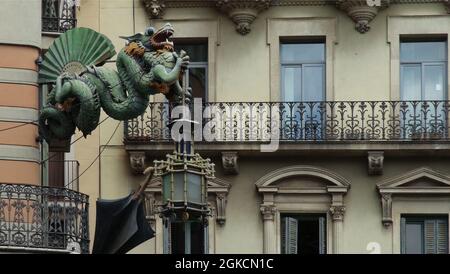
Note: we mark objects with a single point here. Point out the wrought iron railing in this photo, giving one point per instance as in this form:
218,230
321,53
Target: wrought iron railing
302,121
64,174
43,217
58,15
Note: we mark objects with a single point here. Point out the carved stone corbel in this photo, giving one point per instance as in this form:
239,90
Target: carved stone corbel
243,12
230,163
219,188
375,162
155,8
337,212
221,205
362,12
137,161
268,211
386,204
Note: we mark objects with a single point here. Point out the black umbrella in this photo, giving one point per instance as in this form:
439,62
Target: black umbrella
121,224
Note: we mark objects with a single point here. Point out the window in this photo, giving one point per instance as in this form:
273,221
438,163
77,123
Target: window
303,234
423,77
186,238
302,80
198,66
56,169
424,234
59,15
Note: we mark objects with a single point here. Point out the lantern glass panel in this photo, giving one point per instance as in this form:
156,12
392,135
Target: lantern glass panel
178,185
194,188
167,186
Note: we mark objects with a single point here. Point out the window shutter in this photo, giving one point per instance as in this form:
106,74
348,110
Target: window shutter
322,235
166,238
430,237
442,236
206,240
289,230
403,235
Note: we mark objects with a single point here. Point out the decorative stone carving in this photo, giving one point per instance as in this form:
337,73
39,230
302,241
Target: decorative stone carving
220,188
221,205
375,162
432,183
337,212
447,5
150,208
230,162
154,8
137,161
243,12
362,11
268,211
386,204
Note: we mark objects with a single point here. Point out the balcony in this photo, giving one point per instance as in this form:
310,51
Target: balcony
63,173
43,219
58,16
336,125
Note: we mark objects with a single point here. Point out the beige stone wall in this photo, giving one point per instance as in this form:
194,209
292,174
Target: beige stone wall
241,69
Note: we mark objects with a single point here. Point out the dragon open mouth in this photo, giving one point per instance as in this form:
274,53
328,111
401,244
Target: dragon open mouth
162,38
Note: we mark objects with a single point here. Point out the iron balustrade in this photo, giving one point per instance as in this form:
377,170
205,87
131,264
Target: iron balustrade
58,15
43,217
64,174
302,121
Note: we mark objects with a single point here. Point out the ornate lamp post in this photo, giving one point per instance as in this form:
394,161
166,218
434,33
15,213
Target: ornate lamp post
184,183
184,178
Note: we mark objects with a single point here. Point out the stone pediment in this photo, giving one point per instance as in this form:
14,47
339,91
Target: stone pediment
419,181
422,181
313,180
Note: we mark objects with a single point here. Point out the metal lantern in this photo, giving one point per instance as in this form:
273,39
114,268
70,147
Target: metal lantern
184,182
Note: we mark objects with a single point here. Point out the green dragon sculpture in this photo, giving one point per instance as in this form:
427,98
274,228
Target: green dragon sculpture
147,65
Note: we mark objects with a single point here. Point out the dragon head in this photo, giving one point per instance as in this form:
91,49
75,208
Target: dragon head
161,39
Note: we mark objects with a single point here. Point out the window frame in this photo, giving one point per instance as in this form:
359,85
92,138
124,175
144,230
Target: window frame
421,219
301,65
197,64
423,63
321,217
167,238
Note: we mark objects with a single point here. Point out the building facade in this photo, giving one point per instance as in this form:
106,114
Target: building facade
353,96
40,208
356,170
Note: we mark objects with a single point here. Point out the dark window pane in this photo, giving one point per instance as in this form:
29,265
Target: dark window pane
181,236
177,238
311,234
56,169
197,82
198,52
197,238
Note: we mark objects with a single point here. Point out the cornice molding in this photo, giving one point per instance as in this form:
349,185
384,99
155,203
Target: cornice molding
244,12
212,3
